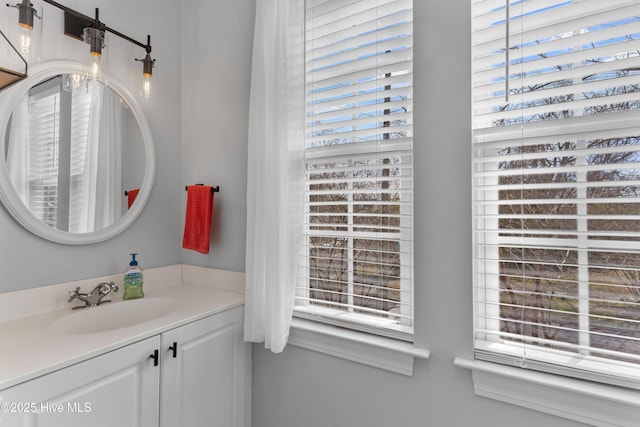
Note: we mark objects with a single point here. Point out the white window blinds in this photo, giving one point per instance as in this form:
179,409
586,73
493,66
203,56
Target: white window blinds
44,152
359,187
556,184
58,140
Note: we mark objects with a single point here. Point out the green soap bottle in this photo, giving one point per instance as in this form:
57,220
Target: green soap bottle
133,280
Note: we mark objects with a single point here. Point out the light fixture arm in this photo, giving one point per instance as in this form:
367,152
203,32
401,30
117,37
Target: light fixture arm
84,28
16,51
95,23
147,62
8,76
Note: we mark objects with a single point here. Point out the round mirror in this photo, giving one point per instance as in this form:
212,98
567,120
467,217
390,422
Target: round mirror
78,162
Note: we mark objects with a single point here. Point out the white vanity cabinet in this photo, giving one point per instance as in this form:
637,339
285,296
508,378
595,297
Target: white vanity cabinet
119,388
203,373
198,380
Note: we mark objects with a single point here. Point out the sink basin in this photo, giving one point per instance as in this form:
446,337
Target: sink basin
110,316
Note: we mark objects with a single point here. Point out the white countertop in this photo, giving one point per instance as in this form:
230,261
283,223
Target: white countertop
31,347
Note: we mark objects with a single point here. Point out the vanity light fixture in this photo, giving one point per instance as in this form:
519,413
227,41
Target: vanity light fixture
26,20
94,37
147,70
92,31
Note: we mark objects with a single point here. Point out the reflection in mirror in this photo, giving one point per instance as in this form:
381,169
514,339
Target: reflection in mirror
69,150
73,149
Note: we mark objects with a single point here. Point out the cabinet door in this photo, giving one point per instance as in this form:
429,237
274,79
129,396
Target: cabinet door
203,385
119,388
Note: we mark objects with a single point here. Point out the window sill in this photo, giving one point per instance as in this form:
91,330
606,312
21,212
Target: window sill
380,352
579,400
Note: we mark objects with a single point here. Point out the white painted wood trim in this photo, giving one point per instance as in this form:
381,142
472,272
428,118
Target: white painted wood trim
579,400
380,352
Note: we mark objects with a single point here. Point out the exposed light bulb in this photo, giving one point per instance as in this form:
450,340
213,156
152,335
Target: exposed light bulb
25,41
146,86
76,80
74,83
94,72
148,64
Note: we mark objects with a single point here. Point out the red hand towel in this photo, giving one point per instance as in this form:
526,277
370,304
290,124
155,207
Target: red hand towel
197,225
131,197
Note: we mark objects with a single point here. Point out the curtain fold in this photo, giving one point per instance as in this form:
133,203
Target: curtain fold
275,178
109,178
18,150
102,177
90,169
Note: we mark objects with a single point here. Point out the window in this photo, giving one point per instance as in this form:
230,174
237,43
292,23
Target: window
44,143
556,185
55,161
58,129
358,254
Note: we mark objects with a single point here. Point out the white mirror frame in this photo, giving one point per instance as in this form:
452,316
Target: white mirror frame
9,197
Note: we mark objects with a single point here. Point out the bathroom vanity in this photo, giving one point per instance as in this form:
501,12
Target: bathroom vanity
174,358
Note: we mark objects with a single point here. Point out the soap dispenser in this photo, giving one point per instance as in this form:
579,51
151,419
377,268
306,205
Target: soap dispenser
133,280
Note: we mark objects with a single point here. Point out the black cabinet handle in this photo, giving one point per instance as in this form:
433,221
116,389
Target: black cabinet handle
155,357
174,348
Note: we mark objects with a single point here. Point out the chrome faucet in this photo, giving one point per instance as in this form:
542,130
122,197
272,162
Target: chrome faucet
93,298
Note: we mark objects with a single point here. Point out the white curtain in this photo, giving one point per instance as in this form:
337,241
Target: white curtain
18,150
109,179
90,168
275,170
102,173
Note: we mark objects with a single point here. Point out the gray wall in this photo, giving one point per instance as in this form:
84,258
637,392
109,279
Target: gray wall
28,261
303,388
218,38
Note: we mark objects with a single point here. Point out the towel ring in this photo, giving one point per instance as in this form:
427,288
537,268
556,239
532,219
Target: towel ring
215,189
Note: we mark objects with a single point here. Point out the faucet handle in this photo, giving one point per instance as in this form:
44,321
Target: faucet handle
74,294
106,288
114,286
